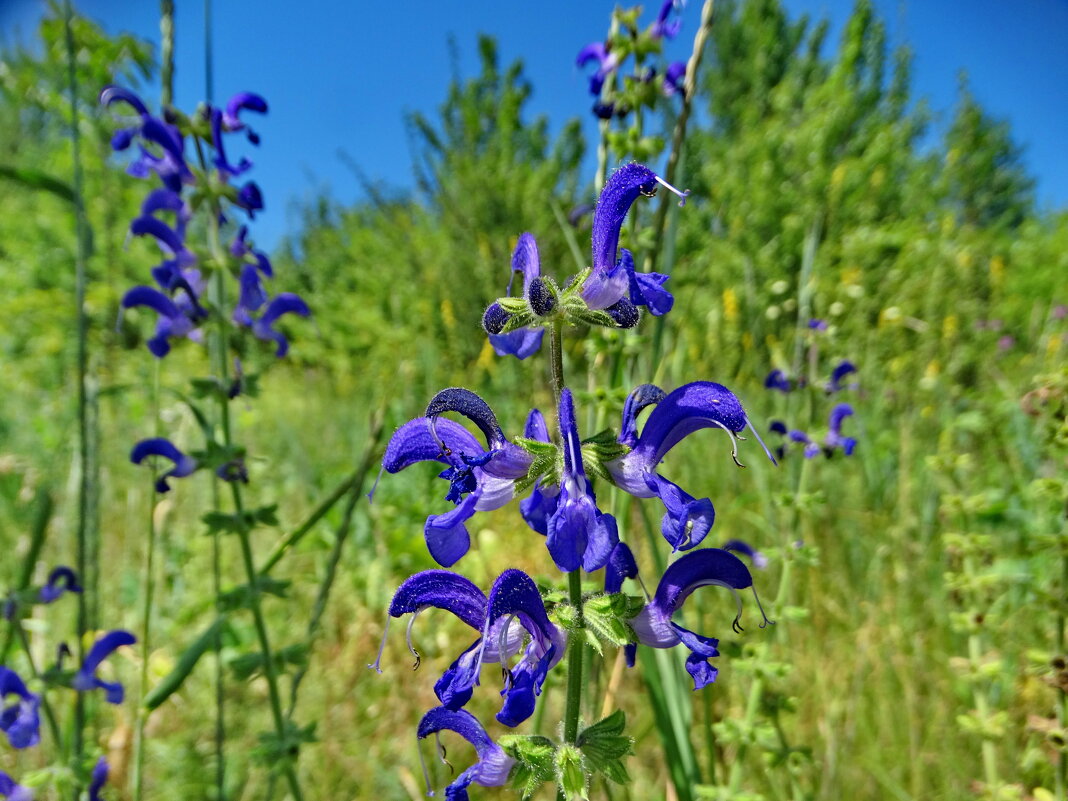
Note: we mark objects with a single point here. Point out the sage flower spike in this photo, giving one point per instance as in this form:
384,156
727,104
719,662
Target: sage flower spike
86,679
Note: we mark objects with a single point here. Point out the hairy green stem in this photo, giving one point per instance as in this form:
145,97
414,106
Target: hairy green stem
166,53
82,533
556,359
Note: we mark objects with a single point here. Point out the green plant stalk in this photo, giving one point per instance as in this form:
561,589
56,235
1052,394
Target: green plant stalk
678,135
82,533
166,53
1062,705
146,612
42,503
756,690
252,576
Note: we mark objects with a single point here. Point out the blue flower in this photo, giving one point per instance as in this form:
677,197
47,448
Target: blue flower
706,567
13,791
98,779
662,29
86,679
701,404
606,63
544,497
21,721
493,765
282,303
777,380
578,534
166,157
159,446
513,608
525,341
816,324
177,317
675,78
60,580
610,278
480,479
841,370
741,546
835,440
231,118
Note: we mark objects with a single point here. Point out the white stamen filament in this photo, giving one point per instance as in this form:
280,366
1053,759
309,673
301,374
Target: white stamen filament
756,434
684,194
376,665
734,442
408,638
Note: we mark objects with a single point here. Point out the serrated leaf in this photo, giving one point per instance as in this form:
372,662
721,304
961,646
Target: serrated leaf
608,615
234,523
604,745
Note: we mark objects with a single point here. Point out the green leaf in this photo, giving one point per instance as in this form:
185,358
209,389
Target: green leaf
224,523
35,179
173,681
533,755
608,615
604,745
276,751
246,666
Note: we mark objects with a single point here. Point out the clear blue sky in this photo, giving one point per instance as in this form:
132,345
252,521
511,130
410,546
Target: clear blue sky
339,74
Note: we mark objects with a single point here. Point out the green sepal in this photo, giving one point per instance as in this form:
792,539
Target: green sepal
523,319
571,773
601,448
546,461
246,666
224,523
604,745
241,597
578,313
514,305
277,751
608,615
534,763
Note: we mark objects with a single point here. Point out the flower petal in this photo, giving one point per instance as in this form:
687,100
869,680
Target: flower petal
441,589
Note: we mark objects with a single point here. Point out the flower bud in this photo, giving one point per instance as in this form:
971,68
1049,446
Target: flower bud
625,313
541,298
495,319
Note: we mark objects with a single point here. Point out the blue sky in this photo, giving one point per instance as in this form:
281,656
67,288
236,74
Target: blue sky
340,74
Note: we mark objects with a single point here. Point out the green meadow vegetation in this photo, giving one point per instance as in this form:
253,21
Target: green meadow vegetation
918,586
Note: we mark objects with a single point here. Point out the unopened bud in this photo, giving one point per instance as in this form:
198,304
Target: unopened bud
495,319
541,297
625,313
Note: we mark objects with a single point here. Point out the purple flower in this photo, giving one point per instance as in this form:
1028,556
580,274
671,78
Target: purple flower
525,341
701,404
60,580
662,29
231,118
835,440
86,679
544,497
158,446
177,317
1006,343
817,324
164,154
21,721
707,567
480,479
800,437
282,303
606,63
610,278
98,779
675,78
578,534
741,546
777,380
226,169
841,370
513,609
493,765
13,791
1060,311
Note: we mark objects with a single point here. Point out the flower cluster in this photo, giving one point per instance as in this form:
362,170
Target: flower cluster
834,440
610,293
617,98
180,296
517,625
20,707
